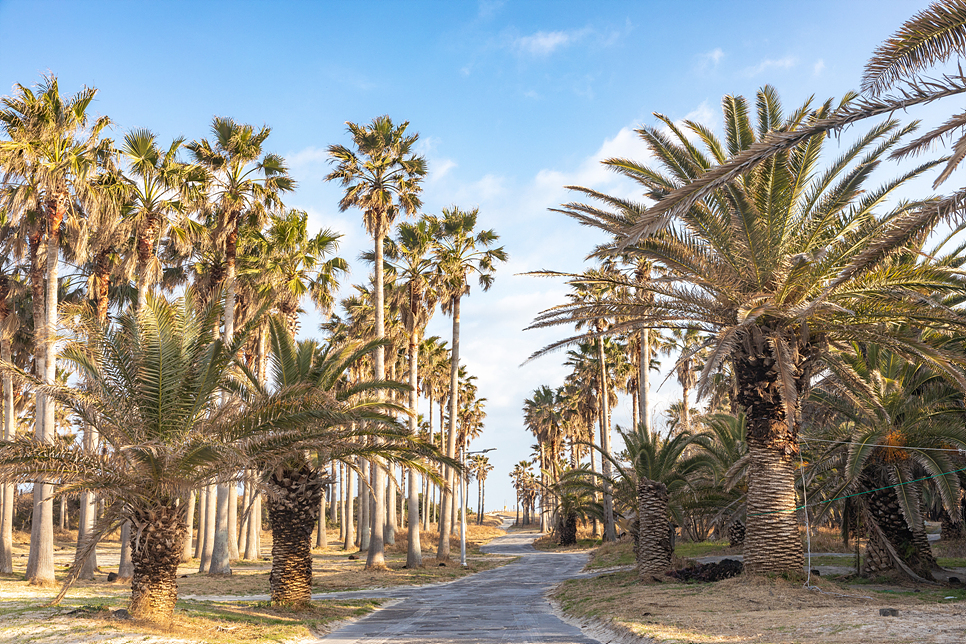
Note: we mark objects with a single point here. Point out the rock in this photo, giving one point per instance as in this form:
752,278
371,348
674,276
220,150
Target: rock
816,572
442,564
352,557
121,613
888,612
954,580
709,572
112,576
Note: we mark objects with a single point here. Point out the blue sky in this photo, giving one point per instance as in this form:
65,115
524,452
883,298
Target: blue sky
513,101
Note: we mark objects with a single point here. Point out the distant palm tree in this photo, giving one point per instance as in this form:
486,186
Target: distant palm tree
460,252
381,180
480,467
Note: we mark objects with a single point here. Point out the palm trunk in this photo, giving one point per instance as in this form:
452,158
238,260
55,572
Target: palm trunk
6,489
610,530
645,394
365,505
253,527
190,520
211,495
772,541
321,538
653,532
202,517
349,538
446,520
414,554
293,510
226,539
243,526
334,494
88,509
156,548
910,544
376,557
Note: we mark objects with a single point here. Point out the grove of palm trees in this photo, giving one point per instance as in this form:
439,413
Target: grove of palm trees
318,332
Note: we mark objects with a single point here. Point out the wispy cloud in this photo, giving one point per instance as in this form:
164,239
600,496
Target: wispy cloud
710,60
489,8
544,43
771,63
818,67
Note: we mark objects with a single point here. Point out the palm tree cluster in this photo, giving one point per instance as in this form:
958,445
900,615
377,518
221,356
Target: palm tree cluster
161,373
817,309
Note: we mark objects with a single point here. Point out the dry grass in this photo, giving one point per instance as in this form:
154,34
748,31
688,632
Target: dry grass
250,622
764,609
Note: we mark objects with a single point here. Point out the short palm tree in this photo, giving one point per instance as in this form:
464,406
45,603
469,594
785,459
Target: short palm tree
381,180
295,483
775,268
889,430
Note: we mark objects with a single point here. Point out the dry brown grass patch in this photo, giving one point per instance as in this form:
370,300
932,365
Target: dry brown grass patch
752,608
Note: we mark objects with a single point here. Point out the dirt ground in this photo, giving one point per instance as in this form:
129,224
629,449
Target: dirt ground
769,610
86,617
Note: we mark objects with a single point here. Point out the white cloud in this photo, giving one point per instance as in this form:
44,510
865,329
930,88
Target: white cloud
818,67
543,43
710,59
768,64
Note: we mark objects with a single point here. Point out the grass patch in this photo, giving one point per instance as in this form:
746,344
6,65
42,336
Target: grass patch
610,555
693,550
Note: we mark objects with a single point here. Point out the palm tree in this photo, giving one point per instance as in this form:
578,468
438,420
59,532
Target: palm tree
889,430
412,263
460,252
776,267
158,187
241,180
480,467
434,377
51,154
295,483
381,180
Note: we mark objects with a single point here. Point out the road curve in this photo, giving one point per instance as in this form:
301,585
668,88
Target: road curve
505,604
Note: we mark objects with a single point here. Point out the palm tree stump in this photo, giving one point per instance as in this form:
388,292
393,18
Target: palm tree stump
293,509
654,540
568,529
157,542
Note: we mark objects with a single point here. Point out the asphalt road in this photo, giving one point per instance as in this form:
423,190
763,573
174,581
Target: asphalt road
505,604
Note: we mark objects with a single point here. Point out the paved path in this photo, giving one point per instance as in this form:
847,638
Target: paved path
505,604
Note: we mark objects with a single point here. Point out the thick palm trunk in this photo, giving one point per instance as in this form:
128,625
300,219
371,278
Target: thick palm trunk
610,529
376,557
910,544
157,543
6,489
446,521
253,527
293,509
654,548
772,539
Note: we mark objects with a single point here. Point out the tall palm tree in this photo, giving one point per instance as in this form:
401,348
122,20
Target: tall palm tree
434,378
381,180
242,181
51,154
460,252
415,273
159,187
780,265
